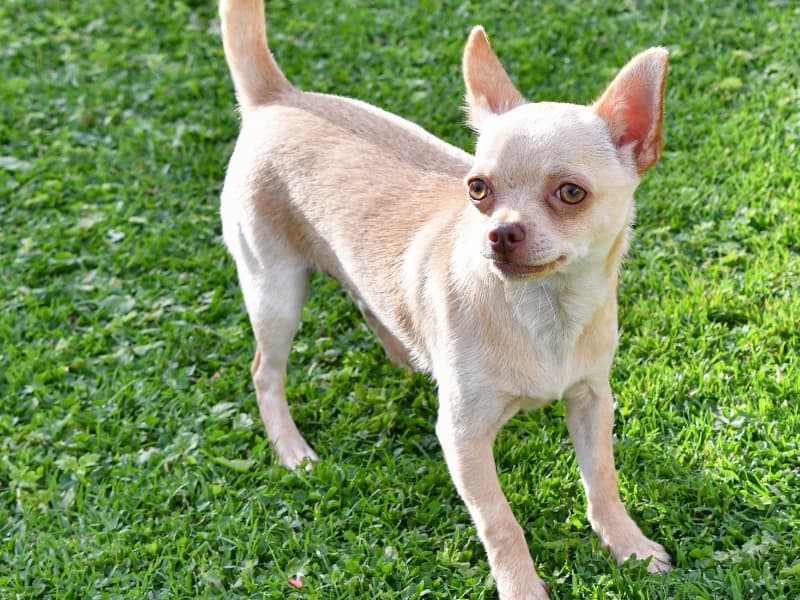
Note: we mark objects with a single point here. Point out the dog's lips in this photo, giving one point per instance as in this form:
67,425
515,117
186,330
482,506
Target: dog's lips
526,271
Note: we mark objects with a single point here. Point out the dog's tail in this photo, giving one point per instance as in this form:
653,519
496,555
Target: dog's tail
257,78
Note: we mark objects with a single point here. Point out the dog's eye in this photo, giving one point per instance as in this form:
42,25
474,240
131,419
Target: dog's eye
571,193
478,190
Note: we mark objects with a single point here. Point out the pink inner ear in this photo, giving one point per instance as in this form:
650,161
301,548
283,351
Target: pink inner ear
638,113
633,106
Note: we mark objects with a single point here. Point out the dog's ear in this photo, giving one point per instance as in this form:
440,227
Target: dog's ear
489,90
633,106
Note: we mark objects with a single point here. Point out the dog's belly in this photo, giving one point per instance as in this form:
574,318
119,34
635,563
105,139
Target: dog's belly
527,404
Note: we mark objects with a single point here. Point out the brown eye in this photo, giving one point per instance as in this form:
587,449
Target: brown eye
571,193
478,190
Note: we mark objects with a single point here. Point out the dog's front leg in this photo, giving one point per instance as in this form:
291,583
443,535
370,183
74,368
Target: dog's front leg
590,417
467,445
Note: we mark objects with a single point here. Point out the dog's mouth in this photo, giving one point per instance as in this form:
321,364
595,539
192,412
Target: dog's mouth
517,271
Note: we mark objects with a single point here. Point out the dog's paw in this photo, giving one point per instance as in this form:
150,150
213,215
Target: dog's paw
627,541
660,560
295,452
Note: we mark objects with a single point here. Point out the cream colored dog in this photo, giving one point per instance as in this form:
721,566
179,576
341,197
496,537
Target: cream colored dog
495,273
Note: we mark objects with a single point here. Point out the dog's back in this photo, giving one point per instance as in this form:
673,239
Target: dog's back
259,83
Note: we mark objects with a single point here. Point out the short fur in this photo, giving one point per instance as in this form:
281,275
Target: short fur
510,304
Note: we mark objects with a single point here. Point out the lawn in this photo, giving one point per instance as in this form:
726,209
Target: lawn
133,463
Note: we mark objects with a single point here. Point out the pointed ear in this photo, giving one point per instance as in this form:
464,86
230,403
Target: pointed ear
633,106
489,90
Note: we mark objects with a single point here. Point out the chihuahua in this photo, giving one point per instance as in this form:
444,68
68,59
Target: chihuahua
495,273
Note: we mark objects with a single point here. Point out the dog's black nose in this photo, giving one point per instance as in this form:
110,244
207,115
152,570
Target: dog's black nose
505,237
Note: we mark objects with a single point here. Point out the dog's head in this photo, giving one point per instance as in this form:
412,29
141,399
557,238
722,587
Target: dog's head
555,181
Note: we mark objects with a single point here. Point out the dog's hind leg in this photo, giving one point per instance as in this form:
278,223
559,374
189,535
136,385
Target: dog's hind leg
274,282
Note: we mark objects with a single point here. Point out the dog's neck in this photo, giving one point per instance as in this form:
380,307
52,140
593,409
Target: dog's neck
556,309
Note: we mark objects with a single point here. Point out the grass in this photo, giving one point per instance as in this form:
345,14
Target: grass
132,460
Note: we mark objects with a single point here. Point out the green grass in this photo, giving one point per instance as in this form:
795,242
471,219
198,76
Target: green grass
132,460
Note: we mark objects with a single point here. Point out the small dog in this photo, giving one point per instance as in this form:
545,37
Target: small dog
496,273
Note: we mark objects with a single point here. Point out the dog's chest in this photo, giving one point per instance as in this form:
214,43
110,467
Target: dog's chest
540,370
540,349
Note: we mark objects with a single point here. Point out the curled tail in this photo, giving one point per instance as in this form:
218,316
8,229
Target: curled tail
257,78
